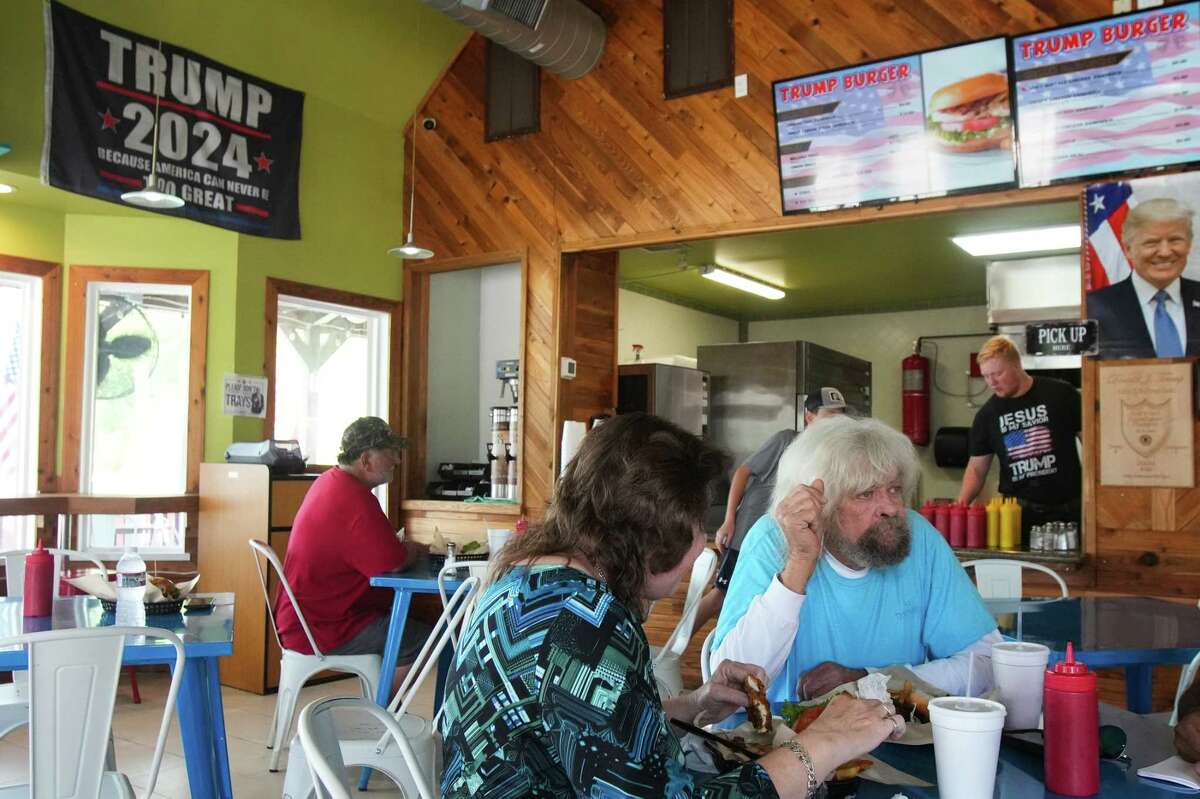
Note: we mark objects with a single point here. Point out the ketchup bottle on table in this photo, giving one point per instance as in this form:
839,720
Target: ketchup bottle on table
1070,705
37,593
977,526
958,525
941,519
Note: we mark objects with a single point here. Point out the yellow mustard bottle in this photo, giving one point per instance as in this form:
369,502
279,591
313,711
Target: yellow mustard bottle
1016,543
993,523
1007,519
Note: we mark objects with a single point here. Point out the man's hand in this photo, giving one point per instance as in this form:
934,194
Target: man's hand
824,677
799,517
724,535
1187,737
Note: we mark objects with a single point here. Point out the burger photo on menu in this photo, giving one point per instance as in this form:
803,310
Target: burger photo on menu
971,115
968,117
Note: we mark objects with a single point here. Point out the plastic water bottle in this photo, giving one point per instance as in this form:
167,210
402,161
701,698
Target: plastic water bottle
131,589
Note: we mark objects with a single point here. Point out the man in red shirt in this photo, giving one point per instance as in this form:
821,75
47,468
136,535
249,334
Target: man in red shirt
340,539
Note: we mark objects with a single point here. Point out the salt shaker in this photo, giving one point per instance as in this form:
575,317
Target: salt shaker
450,554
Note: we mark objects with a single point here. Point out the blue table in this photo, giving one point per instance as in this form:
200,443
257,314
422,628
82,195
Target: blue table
1134,633
205,637
1020,775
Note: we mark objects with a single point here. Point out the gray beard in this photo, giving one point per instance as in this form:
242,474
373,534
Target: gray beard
885,543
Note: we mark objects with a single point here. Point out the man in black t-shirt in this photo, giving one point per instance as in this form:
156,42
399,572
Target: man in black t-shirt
1030,424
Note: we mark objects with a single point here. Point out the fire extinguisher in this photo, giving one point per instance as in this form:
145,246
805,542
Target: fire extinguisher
915,395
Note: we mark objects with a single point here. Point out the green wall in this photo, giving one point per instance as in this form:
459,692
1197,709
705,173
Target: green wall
363,67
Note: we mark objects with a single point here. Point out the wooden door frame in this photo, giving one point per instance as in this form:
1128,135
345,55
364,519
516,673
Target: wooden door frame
78,279
393,308
415,366
50,275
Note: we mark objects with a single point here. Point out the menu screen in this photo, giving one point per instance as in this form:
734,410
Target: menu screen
916,126
1108,96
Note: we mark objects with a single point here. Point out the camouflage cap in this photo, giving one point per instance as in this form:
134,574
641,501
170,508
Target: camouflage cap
368,432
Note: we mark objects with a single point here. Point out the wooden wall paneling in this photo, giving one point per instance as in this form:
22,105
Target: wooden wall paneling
616,165
51,336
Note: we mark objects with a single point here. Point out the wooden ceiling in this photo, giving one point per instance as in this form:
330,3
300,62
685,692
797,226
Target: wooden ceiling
615,165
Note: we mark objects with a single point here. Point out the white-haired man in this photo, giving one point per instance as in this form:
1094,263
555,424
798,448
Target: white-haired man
1155,312
841,577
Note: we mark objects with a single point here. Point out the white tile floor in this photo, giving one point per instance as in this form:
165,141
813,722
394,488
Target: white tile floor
247,718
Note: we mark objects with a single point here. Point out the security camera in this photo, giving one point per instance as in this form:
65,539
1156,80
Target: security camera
429,123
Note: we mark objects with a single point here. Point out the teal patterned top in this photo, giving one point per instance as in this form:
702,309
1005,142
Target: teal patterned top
553,695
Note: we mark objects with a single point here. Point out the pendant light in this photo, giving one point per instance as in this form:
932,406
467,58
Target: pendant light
410,251
150,196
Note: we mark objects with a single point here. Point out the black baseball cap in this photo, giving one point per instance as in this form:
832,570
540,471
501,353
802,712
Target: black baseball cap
827,397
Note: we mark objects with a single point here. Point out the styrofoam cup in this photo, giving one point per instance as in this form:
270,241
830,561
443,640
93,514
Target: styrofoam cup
496,540
966,745
1019,669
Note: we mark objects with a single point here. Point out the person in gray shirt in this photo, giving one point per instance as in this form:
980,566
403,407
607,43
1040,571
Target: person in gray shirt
750,494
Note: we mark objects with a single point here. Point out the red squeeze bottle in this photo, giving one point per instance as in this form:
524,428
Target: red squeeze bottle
927,510
1072,728
37,593
958,525
941,519
977,526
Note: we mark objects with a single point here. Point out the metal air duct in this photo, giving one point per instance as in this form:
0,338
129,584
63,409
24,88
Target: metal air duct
564,36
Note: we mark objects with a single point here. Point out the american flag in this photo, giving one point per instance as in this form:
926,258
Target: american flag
1107,206
1027,443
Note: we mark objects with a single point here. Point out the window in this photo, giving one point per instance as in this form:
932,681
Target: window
136,353
20,350
330,364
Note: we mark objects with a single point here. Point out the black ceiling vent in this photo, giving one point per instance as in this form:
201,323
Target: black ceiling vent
527,12
697,46
513,89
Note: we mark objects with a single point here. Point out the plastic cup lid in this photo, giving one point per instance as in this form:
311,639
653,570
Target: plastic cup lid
966,713
1020,653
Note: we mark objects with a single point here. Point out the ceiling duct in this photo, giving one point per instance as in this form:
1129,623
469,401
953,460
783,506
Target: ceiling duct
564,36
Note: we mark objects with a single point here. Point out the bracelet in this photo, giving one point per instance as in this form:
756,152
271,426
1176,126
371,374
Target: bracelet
798,749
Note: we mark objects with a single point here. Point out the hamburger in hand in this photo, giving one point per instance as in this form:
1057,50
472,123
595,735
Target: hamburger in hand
972,114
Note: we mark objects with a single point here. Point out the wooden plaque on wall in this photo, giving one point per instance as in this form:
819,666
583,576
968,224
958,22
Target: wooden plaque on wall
1146,425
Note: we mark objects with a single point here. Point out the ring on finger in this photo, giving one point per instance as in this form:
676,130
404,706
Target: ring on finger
895,721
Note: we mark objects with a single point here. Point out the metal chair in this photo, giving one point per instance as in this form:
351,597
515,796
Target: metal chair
705,655
14,699
1000,578
666,659
297,668
72,689
329,748
1186,677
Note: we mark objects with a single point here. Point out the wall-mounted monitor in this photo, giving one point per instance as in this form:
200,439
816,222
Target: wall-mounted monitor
917,126
1108,96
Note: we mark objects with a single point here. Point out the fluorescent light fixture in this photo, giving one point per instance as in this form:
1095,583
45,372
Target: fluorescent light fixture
741,282
150,197
1012,242
7,189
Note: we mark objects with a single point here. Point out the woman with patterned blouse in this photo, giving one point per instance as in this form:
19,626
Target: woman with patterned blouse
553,693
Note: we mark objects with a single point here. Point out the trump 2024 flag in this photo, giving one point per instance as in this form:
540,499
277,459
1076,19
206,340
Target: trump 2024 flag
228,142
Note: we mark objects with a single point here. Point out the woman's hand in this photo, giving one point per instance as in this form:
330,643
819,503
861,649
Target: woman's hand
850,728
724,536
724,693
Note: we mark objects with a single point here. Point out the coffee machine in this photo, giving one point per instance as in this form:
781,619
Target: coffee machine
502,443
